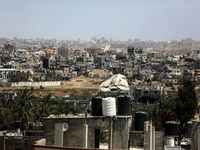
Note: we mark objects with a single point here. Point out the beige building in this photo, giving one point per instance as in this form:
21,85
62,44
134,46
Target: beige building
93,51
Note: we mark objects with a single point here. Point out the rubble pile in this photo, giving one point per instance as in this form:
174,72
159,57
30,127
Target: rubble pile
116,83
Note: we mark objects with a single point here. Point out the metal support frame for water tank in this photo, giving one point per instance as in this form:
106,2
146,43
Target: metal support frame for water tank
110,134
167,136
85,130
85,136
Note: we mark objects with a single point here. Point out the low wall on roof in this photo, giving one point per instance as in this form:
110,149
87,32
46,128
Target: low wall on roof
117,126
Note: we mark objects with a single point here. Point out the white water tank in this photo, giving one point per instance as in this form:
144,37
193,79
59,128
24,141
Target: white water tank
109,106
170,141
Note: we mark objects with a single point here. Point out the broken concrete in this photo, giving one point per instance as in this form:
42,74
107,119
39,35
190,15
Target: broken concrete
115,83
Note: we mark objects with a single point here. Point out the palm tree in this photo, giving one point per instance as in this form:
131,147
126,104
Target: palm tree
24,106
6,118
44,107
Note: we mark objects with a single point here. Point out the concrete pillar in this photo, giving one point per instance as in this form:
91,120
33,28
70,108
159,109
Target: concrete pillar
58,138
110,134
2,143
198,137
150,137
146,123
153,138
85,136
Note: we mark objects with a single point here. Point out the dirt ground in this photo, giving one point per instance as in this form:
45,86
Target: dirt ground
77,85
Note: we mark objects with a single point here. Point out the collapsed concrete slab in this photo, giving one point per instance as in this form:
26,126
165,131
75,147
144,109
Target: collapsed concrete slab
116,83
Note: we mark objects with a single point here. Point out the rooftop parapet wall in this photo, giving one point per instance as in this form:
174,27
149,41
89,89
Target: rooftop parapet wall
73,137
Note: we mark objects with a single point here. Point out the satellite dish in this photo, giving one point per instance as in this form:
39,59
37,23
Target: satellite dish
65,126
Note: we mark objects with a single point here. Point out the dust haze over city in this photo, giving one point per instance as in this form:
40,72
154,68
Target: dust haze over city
114,19
117,74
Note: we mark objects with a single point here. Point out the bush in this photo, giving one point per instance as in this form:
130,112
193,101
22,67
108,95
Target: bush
169,84
41,87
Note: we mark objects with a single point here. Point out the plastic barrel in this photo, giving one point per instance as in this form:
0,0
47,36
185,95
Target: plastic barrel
109,106
17,124
97,106
140,118
124,105
171,128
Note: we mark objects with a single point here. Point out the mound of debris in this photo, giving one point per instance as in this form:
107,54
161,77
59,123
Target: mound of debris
116,83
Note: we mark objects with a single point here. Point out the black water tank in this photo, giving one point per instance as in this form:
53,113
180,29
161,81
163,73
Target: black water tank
97,106
124,105
17,124
140,118
29,133
171,128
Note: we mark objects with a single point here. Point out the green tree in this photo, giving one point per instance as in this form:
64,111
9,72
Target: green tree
118,71
74,110
86,94
86,74
160,112
156,77
19,76
186,104
7,119
52,76
58,107
44,107
24,106
169,84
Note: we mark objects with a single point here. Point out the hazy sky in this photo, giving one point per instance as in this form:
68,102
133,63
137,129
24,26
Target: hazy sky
159,20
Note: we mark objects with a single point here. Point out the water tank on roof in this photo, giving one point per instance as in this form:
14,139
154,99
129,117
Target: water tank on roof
29,133
17,124
97,106
171,128
124,105
109,106
140,118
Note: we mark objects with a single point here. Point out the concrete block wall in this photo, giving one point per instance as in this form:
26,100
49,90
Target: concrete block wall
2,142
73,137
31,140
25,144
48,83
145,140
194,135
159,137
121,128
137,139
